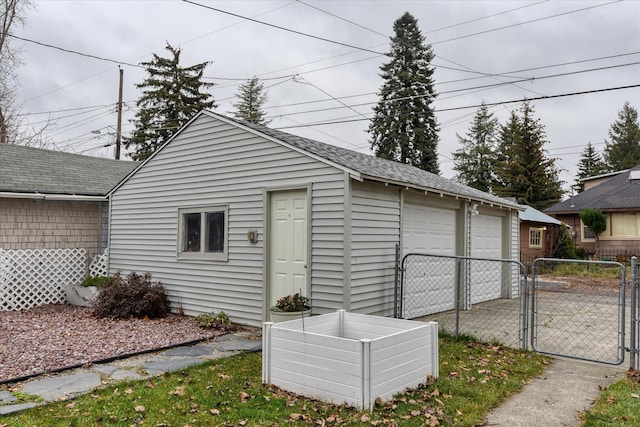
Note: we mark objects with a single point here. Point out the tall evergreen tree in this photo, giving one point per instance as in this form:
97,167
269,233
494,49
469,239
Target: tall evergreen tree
474,162
590,164
252,97
523,169
623,149
171,95
404,127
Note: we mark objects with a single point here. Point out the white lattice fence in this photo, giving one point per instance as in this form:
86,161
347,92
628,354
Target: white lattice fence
33,277
98,266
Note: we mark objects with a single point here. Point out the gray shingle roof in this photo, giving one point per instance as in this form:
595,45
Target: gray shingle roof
376,167
30,170
534,215
619,192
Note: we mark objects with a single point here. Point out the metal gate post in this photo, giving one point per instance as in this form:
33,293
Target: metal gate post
524,315
458,293
397,293
633,345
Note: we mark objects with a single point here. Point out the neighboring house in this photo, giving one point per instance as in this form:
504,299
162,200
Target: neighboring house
230,216
618,196
537,232
55,200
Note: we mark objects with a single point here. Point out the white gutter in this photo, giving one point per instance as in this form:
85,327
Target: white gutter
45,196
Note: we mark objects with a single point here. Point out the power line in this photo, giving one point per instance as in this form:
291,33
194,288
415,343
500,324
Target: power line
75,52
525,22
343,19
476,88
478,105
283,28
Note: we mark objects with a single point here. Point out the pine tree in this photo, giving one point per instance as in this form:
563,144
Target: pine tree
171,95
523,169
252,97
404,127
474,162
623,149
590,164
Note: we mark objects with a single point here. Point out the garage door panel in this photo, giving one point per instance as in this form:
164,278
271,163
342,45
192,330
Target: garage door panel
486,242
430,282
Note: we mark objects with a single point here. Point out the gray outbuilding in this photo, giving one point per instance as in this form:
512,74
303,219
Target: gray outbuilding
230,216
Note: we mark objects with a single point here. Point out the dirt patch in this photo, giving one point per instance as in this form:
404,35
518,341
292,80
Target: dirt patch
56,336
579,284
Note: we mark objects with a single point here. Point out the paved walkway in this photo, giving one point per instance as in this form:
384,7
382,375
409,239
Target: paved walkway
558,396
68,384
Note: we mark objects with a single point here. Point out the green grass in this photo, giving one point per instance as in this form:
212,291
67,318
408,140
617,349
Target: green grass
618,405
474,378
560,268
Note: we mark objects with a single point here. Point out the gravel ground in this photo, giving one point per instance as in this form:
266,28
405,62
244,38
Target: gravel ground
59,335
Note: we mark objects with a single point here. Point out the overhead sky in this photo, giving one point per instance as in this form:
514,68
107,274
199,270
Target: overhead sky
320,61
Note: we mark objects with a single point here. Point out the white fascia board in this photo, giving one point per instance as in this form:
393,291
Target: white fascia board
445,193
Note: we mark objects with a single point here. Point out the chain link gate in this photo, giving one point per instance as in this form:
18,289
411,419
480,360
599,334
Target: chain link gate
477,296
495,300
579,318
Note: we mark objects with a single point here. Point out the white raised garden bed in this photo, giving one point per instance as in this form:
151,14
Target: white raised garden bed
349,358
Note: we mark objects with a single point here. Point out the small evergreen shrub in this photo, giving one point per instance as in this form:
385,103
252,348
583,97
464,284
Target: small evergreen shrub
211,320
98,281
133,296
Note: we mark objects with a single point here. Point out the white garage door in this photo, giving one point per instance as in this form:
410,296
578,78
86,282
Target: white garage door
429,282
486,242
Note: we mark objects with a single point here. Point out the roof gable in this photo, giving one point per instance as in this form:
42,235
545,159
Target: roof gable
35,170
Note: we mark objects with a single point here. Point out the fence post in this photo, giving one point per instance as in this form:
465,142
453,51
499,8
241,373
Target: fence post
633,345
397,284
458,293
525,310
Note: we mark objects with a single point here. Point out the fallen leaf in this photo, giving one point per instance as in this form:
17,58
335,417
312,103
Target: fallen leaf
128,391
214,411
364,418
635,396
140,408
178,391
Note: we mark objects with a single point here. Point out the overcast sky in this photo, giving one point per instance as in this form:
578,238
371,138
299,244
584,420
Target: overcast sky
496,51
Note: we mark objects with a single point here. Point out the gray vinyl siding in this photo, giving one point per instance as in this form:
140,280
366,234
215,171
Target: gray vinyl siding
213,163
375,230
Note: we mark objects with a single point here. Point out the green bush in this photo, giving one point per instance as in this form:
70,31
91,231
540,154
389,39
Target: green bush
134,296
581,252
98,281
211,320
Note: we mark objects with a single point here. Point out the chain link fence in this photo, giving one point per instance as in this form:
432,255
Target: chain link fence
476,296
574,308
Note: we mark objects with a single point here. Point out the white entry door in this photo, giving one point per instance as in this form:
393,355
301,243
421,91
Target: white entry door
430,282
287,244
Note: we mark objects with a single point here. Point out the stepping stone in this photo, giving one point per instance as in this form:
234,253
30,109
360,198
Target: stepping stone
6,397
239,345
158,367
192,351
11,409
56,388
116,373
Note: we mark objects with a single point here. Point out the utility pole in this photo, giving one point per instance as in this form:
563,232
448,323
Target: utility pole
119,126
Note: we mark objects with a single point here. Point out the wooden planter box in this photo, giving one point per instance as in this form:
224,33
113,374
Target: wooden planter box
349,358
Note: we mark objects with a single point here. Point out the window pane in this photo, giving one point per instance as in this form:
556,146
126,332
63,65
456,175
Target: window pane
535,237
191,237
215,231
624,225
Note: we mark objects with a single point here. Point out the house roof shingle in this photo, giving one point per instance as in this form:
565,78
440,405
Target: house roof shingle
34,170
618,193
375,167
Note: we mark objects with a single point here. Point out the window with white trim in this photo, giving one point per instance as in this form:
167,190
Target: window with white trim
203,233
535,237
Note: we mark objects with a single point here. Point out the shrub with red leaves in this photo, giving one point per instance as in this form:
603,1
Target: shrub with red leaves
134,296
